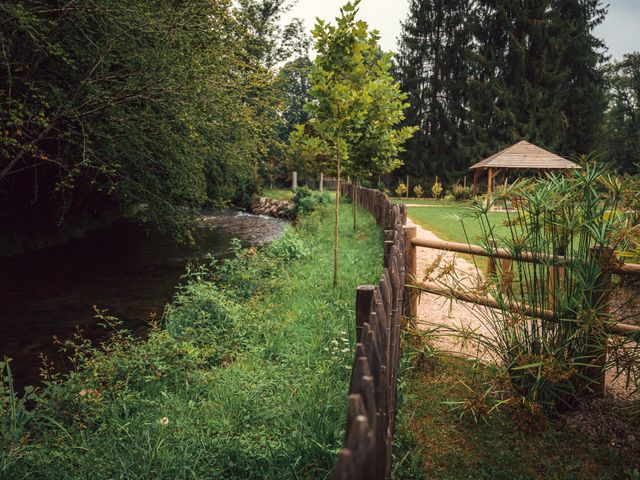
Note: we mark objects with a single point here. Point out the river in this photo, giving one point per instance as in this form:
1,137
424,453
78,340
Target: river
123,269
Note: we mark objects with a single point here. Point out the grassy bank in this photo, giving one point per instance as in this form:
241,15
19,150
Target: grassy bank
246,378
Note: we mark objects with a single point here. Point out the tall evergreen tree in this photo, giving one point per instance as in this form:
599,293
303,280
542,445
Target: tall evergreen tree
581,55
621,139
483,74
433,68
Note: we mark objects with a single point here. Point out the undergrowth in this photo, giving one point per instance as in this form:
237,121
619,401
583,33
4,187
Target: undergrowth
246,376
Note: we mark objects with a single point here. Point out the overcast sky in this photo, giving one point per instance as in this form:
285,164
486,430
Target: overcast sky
620,31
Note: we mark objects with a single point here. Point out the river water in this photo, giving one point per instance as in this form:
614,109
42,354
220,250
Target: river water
123,269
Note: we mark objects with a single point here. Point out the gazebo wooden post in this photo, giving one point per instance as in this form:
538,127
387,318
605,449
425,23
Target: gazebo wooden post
490,184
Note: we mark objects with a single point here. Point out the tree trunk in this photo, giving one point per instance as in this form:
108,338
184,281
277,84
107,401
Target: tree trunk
355,206
336,236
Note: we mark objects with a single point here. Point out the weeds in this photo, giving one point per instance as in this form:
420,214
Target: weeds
234,383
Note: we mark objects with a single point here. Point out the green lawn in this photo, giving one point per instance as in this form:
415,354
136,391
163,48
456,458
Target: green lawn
424,201
435,443
453,223
278,193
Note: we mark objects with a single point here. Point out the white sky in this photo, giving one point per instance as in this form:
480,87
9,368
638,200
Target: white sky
620,31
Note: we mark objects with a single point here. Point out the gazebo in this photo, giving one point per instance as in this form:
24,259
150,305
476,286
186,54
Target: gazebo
521,156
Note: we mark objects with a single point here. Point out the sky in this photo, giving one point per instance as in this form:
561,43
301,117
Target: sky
620,30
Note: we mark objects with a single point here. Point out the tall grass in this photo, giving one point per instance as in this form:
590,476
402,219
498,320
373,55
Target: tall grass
576,225
245,378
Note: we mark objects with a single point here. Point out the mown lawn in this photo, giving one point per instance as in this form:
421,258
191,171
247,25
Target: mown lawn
435,443
453,222
278,193
247,379
423,201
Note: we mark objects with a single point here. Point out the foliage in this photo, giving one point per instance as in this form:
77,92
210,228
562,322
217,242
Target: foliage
575,221
621,139
432,442
418,191
433,68
437,189
310,201
461,192
357,104
401,189
134,108
482,75
234,386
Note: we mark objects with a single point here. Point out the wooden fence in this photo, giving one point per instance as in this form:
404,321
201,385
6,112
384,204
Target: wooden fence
374,374
556,270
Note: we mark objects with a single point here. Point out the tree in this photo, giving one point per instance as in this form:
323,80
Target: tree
621,138
352,88
483,74
433,67
158,108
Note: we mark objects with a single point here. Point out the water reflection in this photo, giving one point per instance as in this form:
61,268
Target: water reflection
123,269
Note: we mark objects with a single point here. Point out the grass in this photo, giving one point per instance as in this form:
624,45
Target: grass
446,222
278,193
435,443
424,201
248,379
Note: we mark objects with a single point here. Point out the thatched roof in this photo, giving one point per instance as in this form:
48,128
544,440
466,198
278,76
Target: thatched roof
525,155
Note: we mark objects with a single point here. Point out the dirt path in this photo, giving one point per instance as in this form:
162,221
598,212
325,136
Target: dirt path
448,269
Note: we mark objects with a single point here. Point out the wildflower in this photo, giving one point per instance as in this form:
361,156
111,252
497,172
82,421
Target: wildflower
345,350
164,421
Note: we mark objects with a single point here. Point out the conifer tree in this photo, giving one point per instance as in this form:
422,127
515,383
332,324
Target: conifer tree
433,69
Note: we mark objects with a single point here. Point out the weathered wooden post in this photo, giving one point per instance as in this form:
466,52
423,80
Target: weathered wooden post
407,194
294,180
364,304
491,261
321,181
411,271
507,276
600,304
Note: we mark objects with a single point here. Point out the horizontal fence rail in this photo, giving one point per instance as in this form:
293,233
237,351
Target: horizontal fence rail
630,269
503,253
557,266
374,374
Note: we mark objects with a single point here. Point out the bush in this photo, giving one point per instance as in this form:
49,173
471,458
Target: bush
437,189
418,190
401,189
460,192
306,201
552,364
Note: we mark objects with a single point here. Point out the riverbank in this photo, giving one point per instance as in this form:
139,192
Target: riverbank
128,270
245,379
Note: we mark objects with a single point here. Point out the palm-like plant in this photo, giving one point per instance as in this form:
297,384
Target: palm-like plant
575,225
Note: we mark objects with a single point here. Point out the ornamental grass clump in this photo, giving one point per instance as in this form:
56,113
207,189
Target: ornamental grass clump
551,333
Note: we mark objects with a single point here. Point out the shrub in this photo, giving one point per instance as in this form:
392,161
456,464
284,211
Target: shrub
401,189
577,222
419,192
460,192
436,189
305,200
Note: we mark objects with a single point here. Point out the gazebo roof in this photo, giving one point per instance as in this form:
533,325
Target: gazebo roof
525,155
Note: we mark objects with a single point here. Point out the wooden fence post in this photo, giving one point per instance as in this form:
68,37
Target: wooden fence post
364,305
411,271
507,276
491,262
600,303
